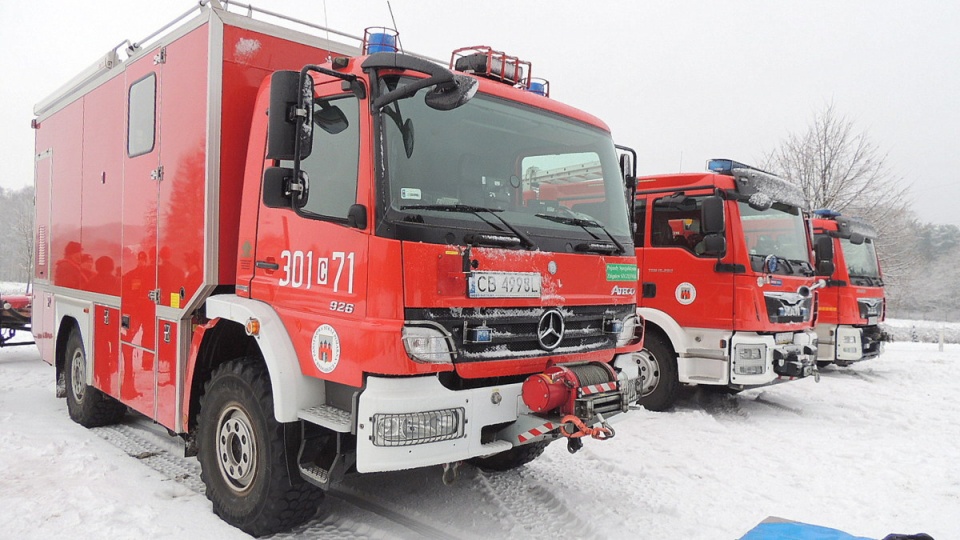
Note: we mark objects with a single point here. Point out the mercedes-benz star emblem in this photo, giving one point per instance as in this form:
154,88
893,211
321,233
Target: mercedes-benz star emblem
550,330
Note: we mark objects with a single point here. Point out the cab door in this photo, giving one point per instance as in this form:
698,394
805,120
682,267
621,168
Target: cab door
311,266
677,278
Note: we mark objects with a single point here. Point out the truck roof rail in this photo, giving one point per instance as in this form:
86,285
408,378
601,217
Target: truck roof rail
112,58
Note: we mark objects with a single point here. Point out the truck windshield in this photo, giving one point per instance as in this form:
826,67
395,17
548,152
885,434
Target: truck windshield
861,259
778,231
492,166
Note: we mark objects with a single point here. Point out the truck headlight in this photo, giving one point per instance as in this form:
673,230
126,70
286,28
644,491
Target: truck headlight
750,359
427,344
417,428
631,331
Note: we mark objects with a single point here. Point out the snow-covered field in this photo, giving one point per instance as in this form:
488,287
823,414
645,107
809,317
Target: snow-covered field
871,449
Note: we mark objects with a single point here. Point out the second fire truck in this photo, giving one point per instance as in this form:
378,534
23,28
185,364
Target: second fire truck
727,281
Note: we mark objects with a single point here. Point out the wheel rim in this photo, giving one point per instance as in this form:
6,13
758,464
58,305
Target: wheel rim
236,448
649,372
78,375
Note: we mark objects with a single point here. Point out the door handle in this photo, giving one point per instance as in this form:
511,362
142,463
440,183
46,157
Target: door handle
266,265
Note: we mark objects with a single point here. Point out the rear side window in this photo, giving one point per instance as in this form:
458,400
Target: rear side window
142,116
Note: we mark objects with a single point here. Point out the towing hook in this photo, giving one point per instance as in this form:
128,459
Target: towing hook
451,472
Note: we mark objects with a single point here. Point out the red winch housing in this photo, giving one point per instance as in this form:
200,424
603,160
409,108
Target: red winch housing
561,387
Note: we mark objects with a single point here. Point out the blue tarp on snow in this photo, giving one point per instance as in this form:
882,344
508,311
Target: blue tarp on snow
774,528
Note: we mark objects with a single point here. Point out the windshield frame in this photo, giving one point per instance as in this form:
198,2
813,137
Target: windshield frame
415,219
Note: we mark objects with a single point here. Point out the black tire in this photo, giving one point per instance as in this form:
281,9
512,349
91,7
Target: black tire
660,364
823,363
511,459
86,405
241,453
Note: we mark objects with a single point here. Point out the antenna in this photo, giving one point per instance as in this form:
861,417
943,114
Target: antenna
392,19
681,162
326,24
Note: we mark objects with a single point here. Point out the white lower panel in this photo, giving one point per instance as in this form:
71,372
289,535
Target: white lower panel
422,394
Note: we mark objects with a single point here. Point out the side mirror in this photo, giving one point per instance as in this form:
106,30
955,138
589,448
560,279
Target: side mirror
714,245
284,124
275,183
357,216
330,119
450,95
823,251
626,171
712,220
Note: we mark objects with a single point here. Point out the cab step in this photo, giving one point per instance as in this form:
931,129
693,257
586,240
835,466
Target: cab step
329,417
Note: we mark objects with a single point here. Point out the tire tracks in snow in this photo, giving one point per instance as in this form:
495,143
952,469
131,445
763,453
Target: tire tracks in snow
157,451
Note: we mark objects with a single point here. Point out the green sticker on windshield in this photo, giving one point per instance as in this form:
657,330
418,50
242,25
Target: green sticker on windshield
621,272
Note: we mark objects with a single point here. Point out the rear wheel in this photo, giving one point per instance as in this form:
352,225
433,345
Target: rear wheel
658,369
511,459
86,405
241,453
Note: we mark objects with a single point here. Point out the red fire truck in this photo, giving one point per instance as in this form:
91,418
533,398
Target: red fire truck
852,304
309,259
726,283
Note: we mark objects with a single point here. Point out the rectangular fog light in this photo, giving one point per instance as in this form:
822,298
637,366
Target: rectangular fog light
750,359
417,428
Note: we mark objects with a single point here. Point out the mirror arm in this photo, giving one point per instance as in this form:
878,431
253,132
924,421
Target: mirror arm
410,89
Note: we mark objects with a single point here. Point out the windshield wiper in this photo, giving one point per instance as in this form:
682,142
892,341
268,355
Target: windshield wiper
525,240
805,267
617,247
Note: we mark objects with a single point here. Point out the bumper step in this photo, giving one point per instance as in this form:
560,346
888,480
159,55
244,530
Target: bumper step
329,417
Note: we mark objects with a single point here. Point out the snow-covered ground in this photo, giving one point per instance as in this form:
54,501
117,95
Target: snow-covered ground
871,449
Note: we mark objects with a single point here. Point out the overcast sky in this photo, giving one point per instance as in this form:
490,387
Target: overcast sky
680,81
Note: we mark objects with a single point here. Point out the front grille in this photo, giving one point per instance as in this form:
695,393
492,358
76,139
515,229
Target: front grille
785,307
513,331
870,307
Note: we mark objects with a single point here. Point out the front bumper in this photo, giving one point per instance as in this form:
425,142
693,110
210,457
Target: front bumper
491,420
783,356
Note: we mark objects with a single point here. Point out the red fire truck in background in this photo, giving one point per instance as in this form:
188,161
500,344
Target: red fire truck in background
309,259
852,304
726,282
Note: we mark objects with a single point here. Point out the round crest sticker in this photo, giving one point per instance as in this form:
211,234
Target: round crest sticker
326,348
686,293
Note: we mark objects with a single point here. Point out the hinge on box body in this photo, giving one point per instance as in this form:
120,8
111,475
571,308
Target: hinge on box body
157,174
154,296
160,57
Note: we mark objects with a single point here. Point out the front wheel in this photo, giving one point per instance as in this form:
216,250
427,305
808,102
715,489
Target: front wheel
86,405
658,369
241,453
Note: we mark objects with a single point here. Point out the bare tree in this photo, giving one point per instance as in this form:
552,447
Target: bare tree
840,168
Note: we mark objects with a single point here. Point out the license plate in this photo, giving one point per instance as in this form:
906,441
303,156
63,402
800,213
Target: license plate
872,320
503,285
784,338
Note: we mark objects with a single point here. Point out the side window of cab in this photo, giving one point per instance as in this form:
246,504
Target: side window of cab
332,167
677,225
